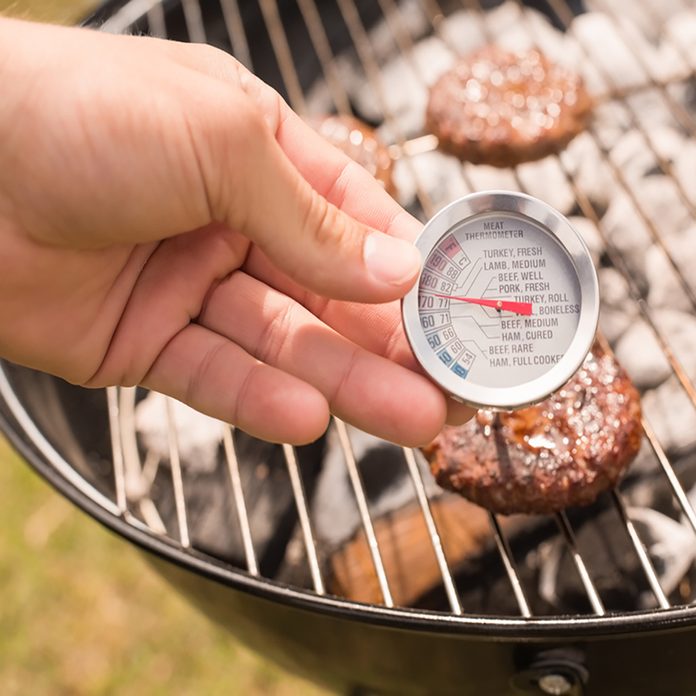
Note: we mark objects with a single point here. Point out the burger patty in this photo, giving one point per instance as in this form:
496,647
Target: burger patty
501,108
361,143
559,453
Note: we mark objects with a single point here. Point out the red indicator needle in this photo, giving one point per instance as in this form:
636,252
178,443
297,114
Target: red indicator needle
500,305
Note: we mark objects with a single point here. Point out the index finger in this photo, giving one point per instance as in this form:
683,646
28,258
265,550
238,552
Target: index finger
331,173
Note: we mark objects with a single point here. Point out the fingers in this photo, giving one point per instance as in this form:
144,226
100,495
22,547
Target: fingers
219,378
458,413
371,392
169,292
329,171
295,195
253,187
376,328
351,188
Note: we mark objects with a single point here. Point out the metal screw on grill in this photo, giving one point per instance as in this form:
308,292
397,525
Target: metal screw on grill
555,684
549,680
553,672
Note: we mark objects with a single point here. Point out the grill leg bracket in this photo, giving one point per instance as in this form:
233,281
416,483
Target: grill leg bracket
555,672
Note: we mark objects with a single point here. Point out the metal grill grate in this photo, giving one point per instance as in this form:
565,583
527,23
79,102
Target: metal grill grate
152,16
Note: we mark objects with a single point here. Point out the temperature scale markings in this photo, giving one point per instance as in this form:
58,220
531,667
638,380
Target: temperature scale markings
434,283
452,249
440,264
452,352
428,303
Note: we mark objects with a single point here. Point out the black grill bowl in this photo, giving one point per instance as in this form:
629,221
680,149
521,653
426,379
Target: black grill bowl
64,433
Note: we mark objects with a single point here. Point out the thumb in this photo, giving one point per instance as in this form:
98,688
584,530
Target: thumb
313,241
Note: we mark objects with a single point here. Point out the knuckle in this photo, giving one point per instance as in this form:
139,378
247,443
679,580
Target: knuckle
273,339
345,377
199,378
325,223
338,189
252,128
241,399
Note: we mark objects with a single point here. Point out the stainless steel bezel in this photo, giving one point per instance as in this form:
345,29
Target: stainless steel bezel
557,225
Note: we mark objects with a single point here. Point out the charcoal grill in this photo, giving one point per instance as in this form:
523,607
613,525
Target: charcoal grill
279,585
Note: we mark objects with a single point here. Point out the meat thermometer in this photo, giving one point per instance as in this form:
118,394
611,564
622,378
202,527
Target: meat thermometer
507,301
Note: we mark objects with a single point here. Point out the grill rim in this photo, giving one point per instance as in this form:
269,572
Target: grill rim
508,629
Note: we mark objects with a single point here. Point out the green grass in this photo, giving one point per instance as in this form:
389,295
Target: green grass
82,613
55,11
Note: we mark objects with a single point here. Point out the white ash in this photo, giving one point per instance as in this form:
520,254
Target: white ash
668,542
640,352
681,247
634,157
335,521
557,45
485,176
401,97
685,169
412,21
679,332
462,32
642,357
438,175
506,19
647,16
319,99
610,120
627,232
519,32
604,46
198,436
680,30
670,545
644,465
656,60
590,234
666,63
666,287
546,180
622,55
360,90
658,199
510,30
405,182
591,174
618,309
646,110
651,110
671,415
683,92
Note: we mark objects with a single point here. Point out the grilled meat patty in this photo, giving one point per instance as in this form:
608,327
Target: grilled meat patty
559,453
361,143
501,108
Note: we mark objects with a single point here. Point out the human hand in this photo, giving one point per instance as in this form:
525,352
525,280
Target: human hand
167,220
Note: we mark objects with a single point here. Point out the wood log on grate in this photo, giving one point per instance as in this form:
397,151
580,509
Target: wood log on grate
407,550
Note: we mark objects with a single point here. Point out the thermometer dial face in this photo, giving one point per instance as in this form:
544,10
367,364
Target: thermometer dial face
506,305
